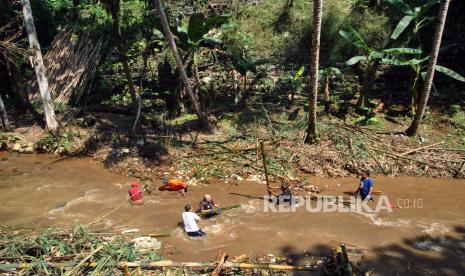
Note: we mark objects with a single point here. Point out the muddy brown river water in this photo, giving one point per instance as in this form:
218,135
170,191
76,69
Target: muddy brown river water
424,234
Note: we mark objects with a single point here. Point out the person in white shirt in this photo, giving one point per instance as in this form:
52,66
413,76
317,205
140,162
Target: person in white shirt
190,220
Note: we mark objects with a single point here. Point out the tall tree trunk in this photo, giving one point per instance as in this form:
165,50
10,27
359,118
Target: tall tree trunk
115,12
39,67
422,103
317,14
182,71
4,115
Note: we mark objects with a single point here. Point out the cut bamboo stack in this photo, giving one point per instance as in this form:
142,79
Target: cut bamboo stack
71,62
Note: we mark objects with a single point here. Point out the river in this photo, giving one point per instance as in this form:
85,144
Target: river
424,233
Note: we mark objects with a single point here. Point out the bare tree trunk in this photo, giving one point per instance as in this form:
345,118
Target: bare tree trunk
4,116
182,71
317,14
39,67
115,12
413,129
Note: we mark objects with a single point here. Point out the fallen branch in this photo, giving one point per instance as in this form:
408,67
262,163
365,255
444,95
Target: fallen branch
420,148
418,161
218,268
70,272
376,160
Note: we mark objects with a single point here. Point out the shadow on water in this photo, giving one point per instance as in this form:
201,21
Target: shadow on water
421,255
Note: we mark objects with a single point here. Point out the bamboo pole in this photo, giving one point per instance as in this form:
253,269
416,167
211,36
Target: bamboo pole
161,264
262,148
347,265
420,148
70,272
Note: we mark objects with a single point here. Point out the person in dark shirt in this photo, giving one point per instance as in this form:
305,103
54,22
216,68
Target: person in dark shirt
284,196
366,186
208,207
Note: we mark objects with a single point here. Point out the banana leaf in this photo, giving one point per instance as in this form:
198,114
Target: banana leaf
401,5
401,26
299,73
402,51
351,35
355,60
450,73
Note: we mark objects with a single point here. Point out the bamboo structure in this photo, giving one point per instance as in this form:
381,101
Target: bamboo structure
71,62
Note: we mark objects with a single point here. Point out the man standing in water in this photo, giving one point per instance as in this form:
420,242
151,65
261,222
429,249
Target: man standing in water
190,220
285,196
208,207
366,186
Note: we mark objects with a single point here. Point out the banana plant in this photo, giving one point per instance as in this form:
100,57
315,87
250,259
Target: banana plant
412,16
296,85
326,74
419,67
243,64
371,58
195,35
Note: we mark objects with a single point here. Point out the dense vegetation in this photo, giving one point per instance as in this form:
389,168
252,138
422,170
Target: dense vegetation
236,54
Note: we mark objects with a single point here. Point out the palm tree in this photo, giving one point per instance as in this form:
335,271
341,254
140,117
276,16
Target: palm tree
39,67
413,129
203,120
310,138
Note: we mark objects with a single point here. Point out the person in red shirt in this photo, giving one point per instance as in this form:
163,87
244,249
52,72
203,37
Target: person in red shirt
135,194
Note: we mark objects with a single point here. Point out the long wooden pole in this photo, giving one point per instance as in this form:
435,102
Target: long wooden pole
262,148
161,264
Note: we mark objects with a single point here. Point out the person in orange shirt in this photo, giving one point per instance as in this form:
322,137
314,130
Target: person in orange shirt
173,185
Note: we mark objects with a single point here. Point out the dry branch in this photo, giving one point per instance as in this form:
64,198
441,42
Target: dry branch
420,148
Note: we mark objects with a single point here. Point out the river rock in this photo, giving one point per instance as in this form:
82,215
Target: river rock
17,147
28,149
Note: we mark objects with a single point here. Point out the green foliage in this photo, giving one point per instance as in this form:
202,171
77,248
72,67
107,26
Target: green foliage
243,64
197,30
36,246
368,117
61,142
416,15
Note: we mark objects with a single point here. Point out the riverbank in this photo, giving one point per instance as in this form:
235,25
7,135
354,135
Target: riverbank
60,192
231,151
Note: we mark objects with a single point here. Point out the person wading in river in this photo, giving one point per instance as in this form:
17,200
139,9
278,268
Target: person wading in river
208,207
190,220
173,185
284,196
366,186
135,194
